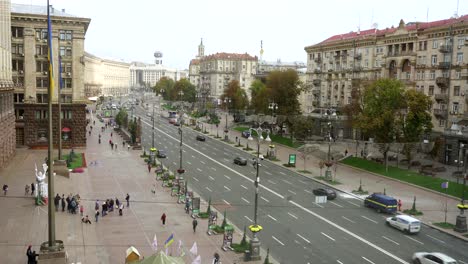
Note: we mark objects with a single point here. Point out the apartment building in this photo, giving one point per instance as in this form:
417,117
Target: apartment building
29,65
7,113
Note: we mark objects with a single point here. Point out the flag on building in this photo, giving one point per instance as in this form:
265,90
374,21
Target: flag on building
49,53
154,245
169,241
194,249
197,260
444,185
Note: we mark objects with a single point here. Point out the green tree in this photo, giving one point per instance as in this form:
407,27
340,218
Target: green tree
121,117
187,88
167,85
284,87
132,127
259,97
237,95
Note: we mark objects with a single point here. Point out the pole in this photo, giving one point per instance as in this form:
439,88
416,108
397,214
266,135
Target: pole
60,111
446,198
152,136
180,148
257,179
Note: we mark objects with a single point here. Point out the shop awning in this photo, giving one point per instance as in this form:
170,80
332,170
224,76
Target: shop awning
66,129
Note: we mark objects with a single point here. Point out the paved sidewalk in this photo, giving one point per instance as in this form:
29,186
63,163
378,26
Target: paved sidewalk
110,174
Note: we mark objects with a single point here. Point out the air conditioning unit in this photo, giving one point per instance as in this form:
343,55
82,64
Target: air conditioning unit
22,54
21,72
68,73
38,39
46,72
69,42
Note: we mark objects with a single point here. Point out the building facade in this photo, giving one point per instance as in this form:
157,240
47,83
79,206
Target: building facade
7,113
29,64
106,77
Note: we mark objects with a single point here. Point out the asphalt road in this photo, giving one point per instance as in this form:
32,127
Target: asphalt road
296,229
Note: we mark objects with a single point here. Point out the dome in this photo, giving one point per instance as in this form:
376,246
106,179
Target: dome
158,54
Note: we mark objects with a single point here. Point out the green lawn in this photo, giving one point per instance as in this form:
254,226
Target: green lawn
168,107
406,176
274,138
77,160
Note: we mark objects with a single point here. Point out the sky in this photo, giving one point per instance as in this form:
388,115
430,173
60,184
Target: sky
134,30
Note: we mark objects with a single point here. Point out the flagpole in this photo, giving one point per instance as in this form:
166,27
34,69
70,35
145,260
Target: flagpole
60,110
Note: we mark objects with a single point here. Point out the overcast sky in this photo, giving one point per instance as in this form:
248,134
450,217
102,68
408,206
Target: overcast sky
134,30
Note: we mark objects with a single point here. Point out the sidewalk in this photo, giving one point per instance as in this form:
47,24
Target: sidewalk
110,174
431,203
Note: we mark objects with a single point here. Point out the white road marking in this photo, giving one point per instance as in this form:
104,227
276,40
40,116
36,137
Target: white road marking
195,178
436,239
264,199
318,205
293,216
273,218
339,262
213,168
188,162
198,169
272,182
211,178
174,163
245,200
350,233
384,237
462,262
193,156
226,202
367,218
202,162
226,160
367,260
248,218
336,204
297,242
184,150
266,172
354,204
282,173
244,187
331,238
303,181
288,182
277,240
305,239
225,187
307,191
208,189
348,219
227,177
225,153
292,192
417,241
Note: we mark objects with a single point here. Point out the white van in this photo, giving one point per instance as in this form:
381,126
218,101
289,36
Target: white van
405,223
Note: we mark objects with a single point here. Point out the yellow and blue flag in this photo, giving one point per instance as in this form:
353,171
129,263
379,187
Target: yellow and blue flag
169,241
49,54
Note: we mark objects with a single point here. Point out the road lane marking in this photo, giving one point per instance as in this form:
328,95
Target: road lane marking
245,200
213,168
307,191
353,204
174,163
288,182
367,260
244,187
318,205
227,177
272,182
198,169
273,218
339,261
202,162
336,204
305,239
391,240
293,216
373,221
345,218
436,239
350,233
246,217
225,187
208,189
264,199
292,192
184,150
225,153
331,238
277,240
226,202
303,181
193,156
195,178
226,160
266,172
188,162
417,241
282,173
211,178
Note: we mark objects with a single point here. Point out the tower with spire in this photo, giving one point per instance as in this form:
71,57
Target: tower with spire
201,50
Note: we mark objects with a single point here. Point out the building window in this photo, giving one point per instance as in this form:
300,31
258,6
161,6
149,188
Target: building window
42,82
455,107
433,59
458,74
17,65
65,98
18,80
67,83
42,66
441,122
41,33
19,114
460,57
65,35
17,32
66,114
435,44
17,49
41,49
378,49
65,51
18,98
461,42
422,45
431,90
432,75
42,98
456,90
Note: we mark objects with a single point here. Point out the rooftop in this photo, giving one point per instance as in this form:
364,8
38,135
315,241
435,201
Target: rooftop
38,10
232,56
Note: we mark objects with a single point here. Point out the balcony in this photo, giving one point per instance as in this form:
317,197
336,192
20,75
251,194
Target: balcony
317,71
315,91
442,81
318,60
445,48
440,113
441,97
358,57
357,68
444,65
317,82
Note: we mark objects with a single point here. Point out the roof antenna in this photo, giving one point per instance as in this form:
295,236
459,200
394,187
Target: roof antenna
359,26
458,3
427,15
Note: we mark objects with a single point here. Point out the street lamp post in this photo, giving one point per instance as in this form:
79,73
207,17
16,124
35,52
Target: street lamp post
254,253
329,117
460,225
180,170
227,101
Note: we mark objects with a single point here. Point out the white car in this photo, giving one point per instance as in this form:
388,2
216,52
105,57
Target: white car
432,258
405,223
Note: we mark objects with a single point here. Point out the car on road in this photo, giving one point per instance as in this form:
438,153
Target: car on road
172,120
240,161
331,194
405,223
149,114
381,203
161,154
177,123
432,258
200,138
246,133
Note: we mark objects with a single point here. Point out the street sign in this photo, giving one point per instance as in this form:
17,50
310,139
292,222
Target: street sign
292,160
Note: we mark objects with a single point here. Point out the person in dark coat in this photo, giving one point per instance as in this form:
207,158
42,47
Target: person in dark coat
128,200
68,200
33,188
163,218
111,205
57,201
63,202
194,225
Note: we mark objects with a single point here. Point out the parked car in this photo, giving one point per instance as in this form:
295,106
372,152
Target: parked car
432,258
201,138
172,120
331,194
381,203
246,133
405,223
161,154
240,161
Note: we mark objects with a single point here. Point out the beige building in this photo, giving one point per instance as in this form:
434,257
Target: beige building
430,57
29,64
106,77
7,114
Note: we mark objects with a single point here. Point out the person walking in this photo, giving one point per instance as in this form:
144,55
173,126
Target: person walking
33,188
111,205
187,206
127,198
399,205
63,202
216,258
117,203
86,220
5,189
68,200
96,215
120,209
149,167
163,218
194,225
82,210
104,209
57,201
26,189
29,254
128,147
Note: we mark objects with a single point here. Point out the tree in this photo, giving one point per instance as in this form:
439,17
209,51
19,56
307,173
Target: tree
167,85
259,97
187,88
284,87
307,150
121,118
301,127
237,95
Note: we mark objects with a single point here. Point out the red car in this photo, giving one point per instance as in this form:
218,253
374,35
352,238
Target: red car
172,120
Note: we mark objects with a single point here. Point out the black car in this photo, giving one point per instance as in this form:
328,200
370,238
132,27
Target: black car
246,133
331,194
240,161
201,138
161,154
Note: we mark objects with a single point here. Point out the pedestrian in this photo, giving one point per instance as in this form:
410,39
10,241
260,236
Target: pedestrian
5,189
112,145
123,144
33,188
26,189
89,133
68,200
216,258
96,205
163,218
399,205
63,202
127,198
82,210
73,205
120,209
149,167
117,203
346,153
32,257
86,220
128,147
111,134
29,253
187,206
96,215
104,209
111,205
94,122
362,153
56,202
194,225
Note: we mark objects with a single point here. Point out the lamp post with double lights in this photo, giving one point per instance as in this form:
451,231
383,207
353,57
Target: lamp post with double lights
227,101
329,116
254,253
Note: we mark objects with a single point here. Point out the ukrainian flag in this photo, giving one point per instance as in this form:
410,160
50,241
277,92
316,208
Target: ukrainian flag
49,54
169,241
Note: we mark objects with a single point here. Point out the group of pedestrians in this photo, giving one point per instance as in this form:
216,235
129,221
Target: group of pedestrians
108,206
72,203
29,189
